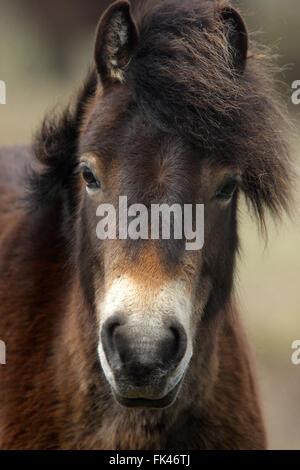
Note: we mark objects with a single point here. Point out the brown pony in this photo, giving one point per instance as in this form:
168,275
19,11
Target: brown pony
137,344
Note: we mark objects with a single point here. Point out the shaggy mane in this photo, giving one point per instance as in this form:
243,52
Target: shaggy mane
183,80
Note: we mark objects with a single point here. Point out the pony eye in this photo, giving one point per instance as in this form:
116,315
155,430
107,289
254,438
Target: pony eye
225,192
91,181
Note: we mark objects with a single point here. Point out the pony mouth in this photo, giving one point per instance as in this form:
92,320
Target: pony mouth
141,402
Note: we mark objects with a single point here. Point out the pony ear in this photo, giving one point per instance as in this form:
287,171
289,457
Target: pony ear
237,35
115,43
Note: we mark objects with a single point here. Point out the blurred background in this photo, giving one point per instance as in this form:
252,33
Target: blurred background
45,49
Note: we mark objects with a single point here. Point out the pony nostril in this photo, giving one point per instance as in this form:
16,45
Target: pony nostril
112,327
108,334
177,345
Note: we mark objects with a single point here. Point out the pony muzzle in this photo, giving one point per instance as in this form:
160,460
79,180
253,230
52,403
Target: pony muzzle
144,366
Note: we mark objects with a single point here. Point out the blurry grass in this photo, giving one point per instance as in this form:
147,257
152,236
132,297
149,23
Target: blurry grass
268,278
269,294
27,67
269,283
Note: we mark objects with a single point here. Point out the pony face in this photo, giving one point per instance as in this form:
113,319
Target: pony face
150,293
166,127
